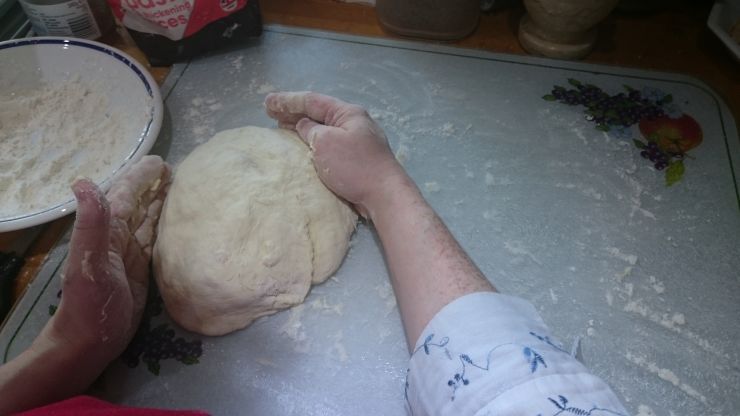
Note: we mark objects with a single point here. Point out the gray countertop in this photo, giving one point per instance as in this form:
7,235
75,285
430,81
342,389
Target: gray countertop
550,208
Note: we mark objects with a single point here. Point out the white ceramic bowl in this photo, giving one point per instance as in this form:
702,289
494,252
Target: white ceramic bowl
131,92
724,16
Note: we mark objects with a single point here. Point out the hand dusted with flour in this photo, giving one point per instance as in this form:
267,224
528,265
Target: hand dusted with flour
246,229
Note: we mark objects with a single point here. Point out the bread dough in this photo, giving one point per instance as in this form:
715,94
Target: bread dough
245,230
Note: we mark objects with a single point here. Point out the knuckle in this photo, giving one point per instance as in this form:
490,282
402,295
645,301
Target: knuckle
310,98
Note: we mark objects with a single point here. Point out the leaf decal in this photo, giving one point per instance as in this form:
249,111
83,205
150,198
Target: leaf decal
674,173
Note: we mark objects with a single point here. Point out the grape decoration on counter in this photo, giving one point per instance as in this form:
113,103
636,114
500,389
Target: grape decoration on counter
151,345
666,134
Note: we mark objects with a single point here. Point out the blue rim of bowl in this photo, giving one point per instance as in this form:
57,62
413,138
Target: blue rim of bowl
85,44
69,206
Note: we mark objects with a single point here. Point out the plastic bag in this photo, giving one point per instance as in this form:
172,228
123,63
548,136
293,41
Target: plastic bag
172,30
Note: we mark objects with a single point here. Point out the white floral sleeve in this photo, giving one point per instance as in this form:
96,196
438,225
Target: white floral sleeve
491,354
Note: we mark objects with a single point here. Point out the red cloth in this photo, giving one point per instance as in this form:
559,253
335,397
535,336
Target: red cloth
90,406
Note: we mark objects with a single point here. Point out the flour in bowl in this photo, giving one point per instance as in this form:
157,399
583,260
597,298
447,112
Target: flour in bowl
53,134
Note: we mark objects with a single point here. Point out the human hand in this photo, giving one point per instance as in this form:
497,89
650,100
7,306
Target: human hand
106,276
350,151
105,282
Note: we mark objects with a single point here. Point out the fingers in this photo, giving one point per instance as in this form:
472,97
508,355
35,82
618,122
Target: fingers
290,107
88,250
286,107
135,189
146,233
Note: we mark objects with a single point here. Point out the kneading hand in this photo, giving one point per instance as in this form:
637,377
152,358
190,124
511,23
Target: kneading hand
428,267
350,151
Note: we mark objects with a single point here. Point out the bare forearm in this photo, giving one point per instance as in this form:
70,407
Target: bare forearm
45,373
352,157
428,267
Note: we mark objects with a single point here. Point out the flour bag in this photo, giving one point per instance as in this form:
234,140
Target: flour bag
174,30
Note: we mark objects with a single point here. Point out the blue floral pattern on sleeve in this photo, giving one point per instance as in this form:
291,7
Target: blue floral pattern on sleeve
533,357
564,409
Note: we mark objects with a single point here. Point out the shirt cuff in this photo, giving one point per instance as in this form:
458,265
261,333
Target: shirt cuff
488,353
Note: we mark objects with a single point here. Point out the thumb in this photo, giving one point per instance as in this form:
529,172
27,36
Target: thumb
88,249
310,131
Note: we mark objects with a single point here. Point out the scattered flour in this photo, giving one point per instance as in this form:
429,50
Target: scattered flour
629,258
322,305
672,321
488,215
448,129
266,88
385,291
643,410
657,285
516,248
384,332
237,63
489,179
666,375
587,191
636,191
666,320
293,327
591,192
402,154
431,186
609,298
200,116
53,134
591,331
338,350
265,362
579,133
623,274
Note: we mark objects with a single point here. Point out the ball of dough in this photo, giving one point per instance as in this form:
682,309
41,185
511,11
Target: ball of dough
245,230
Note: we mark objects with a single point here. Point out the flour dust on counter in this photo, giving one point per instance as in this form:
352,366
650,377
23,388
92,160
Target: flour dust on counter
321,304
666,375
431,186
52,134
201,113
385,292
644,410
266,88
293,329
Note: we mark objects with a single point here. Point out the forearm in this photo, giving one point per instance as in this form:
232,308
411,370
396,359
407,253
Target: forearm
352,157
45,373
428,267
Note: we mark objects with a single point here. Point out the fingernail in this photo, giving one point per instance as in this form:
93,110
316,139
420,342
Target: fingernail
80,187
312,136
